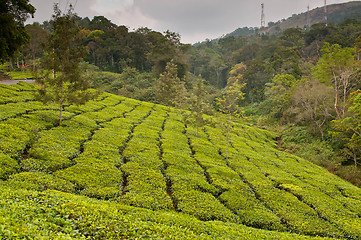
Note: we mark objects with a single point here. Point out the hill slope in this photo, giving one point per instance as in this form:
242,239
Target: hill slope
336,13
120,168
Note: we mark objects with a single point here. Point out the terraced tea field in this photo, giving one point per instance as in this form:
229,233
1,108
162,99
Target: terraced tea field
118,168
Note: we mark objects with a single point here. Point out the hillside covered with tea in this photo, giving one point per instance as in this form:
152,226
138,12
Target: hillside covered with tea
125,169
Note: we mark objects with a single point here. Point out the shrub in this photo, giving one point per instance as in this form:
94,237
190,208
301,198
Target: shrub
39,181
13,140
8,166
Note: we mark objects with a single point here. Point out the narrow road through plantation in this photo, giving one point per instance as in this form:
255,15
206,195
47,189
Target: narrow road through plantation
10,82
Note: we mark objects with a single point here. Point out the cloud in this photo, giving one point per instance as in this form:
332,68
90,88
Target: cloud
194,17
110,6
123,12
44,9
212,18
194,20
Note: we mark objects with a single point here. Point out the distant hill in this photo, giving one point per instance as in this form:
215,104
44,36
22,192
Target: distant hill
336,13
242,32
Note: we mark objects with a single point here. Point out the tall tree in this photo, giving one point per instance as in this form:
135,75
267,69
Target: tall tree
256,78
312,102
349,128
101,23
165,48
228,103
13,14
63,56
35,47
336,67
293,38
278,93
169,88
197,106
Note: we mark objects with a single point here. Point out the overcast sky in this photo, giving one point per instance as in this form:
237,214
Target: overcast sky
194,20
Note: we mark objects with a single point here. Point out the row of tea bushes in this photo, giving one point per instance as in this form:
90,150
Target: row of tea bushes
57,215
331,204
25,139
237,194
100,102
56,148
95,171
253,164
191,191
8,166
318,189
143,155
12,110
39,181
13,140
146,185
20,92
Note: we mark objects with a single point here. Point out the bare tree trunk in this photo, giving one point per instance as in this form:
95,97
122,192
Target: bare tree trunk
61,103
53,63
34,67
336,98
315,129
197,127
355,158
345,77
10,67
322,133
217,74
228,135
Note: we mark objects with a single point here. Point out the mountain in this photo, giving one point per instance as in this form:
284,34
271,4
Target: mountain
336,13
119,168
242,32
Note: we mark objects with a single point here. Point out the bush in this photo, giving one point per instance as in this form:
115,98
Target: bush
39,182
8,166
13,140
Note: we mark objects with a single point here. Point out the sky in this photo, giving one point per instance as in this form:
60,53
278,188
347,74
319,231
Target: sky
194,20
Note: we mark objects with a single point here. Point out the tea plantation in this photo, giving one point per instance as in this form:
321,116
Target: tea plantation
118,168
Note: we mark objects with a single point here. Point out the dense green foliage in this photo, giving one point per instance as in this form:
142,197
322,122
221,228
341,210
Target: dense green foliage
13,14
169,89
121,168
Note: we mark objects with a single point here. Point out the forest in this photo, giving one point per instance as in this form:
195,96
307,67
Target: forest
302,83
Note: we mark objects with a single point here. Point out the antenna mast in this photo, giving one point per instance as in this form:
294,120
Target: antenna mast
308,21
326,12
263,20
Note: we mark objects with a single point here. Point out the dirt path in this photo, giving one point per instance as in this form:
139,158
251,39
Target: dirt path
10,82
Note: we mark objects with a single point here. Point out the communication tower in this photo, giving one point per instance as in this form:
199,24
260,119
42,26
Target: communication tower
263,21
326,12
308,21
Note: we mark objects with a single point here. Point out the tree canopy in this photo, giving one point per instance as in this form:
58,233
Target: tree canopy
169,89
13,14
